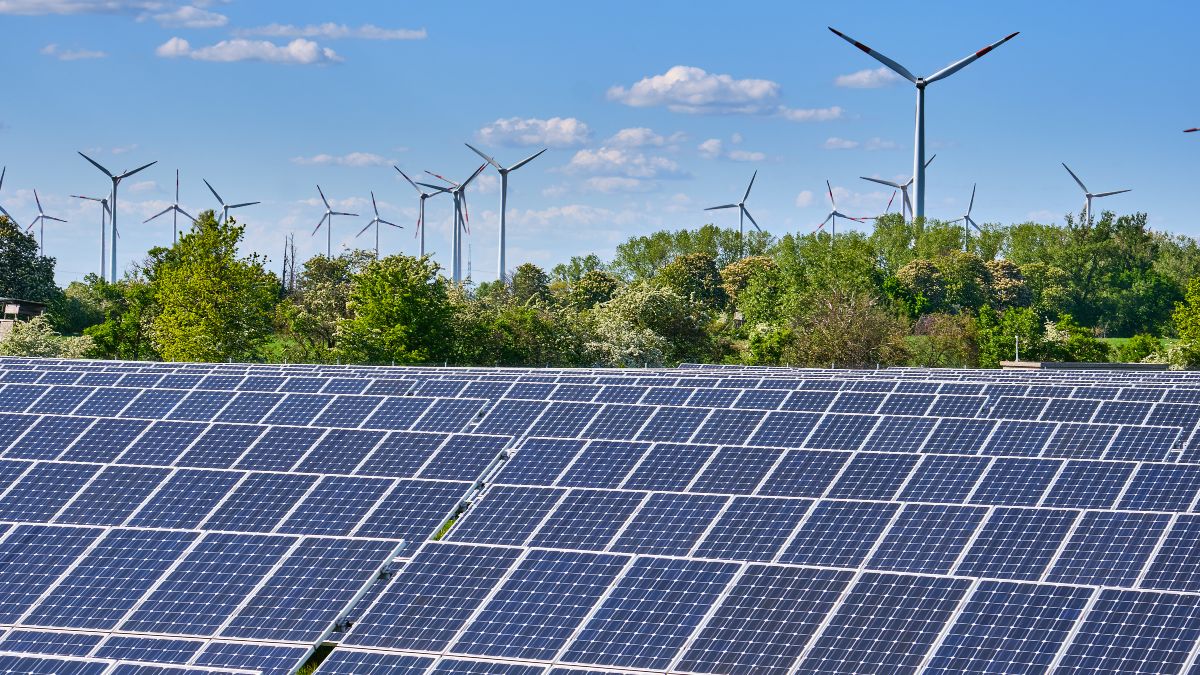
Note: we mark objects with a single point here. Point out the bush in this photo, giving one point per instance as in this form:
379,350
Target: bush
1138,348
37,338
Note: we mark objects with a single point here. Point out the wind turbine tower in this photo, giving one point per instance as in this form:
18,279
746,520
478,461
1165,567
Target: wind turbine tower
112,204
504,171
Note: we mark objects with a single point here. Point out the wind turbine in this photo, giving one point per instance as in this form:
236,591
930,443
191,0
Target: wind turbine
834,215
743,214
503,196
421,211
226,207
6,213
967,221
104,211
906,204
329,214
41,218
921,83
462,216
1088,196
177,210
112,204
376,222
885,211
1188,131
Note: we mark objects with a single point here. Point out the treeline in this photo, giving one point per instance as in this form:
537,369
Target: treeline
918,294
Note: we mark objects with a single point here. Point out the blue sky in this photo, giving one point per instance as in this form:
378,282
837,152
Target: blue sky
651,111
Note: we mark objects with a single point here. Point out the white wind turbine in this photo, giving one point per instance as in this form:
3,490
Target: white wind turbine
906,208
104,211
175,209
921,83
834,214
743,214
41,221
6,213
329,214
462,216
420,231
1088,196
967,221
503,197
225,208
376,221
112,204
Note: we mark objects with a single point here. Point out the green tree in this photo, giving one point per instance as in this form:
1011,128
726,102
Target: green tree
945,341
37,338
24,273
128,309
530,283
400,311
642,257
999,333
79,307
736,276
653,323
573,270
308,317
695,276
848,329
213,304
1138,348
1006,287
593,288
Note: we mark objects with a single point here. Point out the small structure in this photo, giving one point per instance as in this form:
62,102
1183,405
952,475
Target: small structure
15,310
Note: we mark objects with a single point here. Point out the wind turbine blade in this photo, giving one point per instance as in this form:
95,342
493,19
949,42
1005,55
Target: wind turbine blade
882,182
34,222
890,200
747,195
1081,185
1106,194
90,199
972,204
895,67
826,221
959,65
385,222
830,189
37,200
238,206
319,224
323,197
723,206
440,177
56,219
907,201
368,226
930,161
144,166
343,213
527,160
1188,131
439,188
210,189
97,165
166,210
373,204
474,175
486,158
189,216
973,224
956,220
410,181
9,216
752,221
2,172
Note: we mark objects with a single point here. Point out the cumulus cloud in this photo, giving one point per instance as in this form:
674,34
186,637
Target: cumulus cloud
611,184
810,114
745,156
710,149
637,137
571,214
690,89
874,143
144,186
871,78
556,132
356,159
334,31
714,148
71,54
188,16
607,161
835,143
804,199
298,51
43,7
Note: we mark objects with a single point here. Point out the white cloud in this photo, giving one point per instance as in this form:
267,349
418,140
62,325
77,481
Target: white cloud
70,54
298,51
871,78
611,184
44,7
334,31
607,161
188,16
835,143
556,132
636,137
874,143
746,156
804,199
689,89
810,114
355,159
877,143
122,149
710,149
571,214
714,148
144,186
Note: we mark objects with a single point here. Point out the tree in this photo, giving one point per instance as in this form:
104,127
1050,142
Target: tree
847,329
213,305
965,281
593,288
999,333
736,276
642,257
1138,348
128,309
400,311
921,288
308,316
657,320
572,271
79,306
24,273
1066,340
695,276
1007,287
530,284
946,341
37,338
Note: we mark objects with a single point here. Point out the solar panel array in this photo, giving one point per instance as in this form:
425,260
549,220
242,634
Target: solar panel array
231,518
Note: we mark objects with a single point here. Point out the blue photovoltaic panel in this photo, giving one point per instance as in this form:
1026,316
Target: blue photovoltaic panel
432,597
347,411
838,534
220,446
618,422
339,451
539,461
736,470
298,409
345,385
461,666
958,436
164,650
1088,485
1122,412
1162,487
60,400
248,407
603,464
34,556
260,502
763,623
105,402
510,417
804,473
265,659
115,493
43,490
1176,565
729,426
669,524
540,605
449,415
752,528
650,612
110,579
899,434
335,506
1134,632
1013,481
162,443
809,401
668,467
784,429
12,426
45,642
304,597
1080,441
48,438
103,441
874,476
673,424
1022,439
506,515
47,665
944,478
856,402
587,519
464,457
401,454
201,406
1008,627
412,511
1108,548
185,499
209,584
564,419
153,403
1149,444
1017,543
280,448
885,624
926,538
349,662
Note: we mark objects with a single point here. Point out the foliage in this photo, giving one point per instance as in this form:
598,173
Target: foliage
695,276
573,270
212,304
650,323
498,329
846,329
1001,334
308,316
37,338
593,288
24,273
946,341
736,276
642,257
128,308
1138,348
400,311
1066,340
530,284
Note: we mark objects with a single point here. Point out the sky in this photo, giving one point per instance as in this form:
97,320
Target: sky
651,112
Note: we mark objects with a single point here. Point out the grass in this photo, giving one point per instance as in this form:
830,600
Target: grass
315,660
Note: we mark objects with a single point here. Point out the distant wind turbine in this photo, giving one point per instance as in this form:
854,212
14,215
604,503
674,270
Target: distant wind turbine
6,213
112,204
834,214
967,221
503,197
41,222
421,210
225,208
885,211
1188,131
462,217
329,214
104,211
921,83
906,204
1088,196
743,214
175,210
376,221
